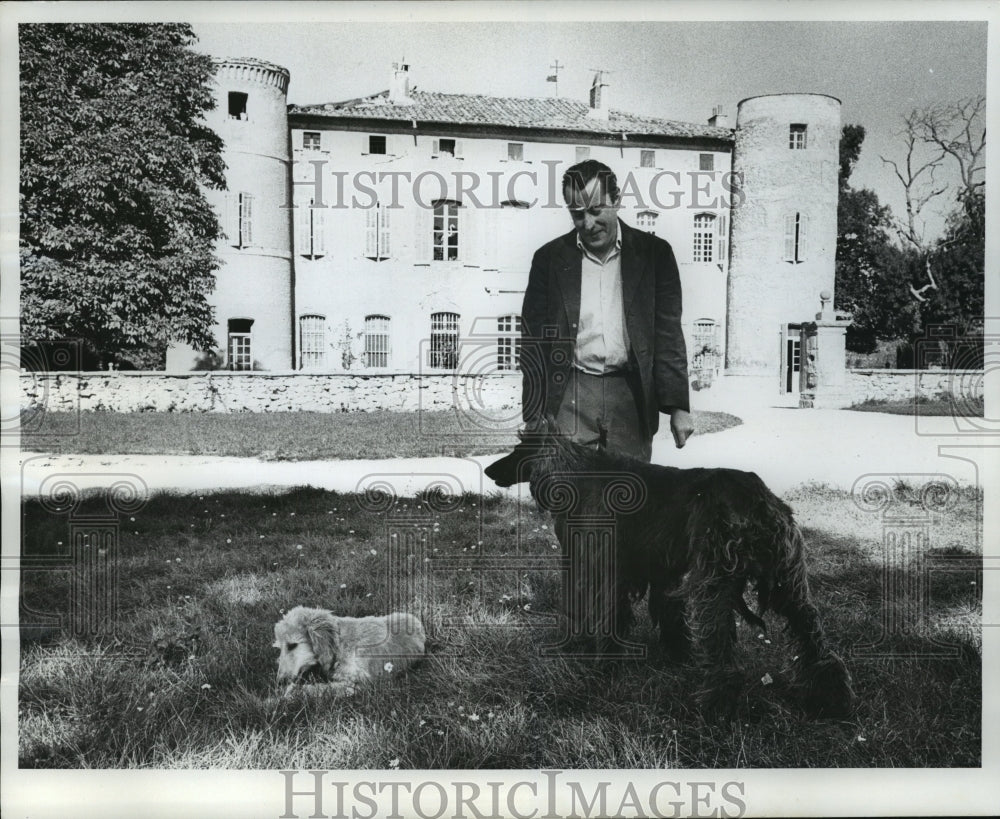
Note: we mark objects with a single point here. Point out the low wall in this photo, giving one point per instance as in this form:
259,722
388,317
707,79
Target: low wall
221,391
905,385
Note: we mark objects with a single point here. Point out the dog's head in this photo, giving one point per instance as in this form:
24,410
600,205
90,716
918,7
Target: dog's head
541,449
307,639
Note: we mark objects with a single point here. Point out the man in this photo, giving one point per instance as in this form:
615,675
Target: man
602,347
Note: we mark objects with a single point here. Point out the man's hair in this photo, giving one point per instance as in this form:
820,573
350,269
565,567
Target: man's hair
579,176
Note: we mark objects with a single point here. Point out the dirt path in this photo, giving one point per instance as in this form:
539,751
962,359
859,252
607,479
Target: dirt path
786,447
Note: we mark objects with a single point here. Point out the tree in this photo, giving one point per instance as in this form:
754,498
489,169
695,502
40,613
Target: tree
117,239
871,272
958,264
948,284
935,137
896,292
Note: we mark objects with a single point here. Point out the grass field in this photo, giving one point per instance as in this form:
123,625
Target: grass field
926,407
188,680
289,435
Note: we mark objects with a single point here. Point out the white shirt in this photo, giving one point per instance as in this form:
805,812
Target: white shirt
601,339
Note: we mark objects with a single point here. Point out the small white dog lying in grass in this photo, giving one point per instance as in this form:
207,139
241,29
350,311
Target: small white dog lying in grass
344,651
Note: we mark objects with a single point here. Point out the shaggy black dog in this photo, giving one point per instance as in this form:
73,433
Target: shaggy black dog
696,540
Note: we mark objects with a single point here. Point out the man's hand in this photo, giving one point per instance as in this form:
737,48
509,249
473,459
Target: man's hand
681,426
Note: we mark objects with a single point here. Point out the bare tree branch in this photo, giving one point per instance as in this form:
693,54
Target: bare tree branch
957,130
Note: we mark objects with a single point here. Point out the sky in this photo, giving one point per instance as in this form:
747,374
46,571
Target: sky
677,70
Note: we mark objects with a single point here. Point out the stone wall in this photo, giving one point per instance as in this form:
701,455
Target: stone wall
904,385
259,392
492,395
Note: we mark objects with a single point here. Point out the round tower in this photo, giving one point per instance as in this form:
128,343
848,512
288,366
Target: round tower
783,229
253,295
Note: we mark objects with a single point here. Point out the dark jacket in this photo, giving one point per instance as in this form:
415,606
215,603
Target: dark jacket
651,292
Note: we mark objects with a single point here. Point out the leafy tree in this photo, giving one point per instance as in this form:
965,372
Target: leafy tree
117,239
958,264
896,292
872,274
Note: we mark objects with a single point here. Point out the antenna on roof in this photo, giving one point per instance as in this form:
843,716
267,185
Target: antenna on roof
555,77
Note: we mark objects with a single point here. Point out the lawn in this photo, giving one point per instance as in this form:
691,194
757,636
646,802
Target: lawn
292,436
926,407
187,680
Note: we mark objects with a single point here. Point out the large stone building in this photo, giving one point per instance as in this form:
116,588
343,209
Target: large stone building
394,233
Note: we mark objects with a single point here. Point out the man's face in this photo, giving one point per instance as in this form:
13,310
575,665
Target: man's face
595,215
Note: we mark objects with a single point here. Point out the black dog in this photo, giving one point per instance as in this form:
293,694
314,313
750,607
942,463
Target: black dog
695,539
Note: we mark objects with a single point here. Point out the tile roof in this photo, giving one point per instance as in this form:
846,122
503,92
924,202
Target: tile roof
542,113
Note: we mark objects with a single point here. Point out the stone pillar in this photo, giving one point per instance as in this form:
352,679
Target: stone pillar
823,372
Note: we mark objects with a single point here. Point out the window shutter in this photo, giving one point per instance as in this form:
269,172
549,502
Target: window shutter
790,237
302,247
423,224
723,225
472,236
246,220
318,232
371,232
435,147
458,147
803,234
385,250
464,234
231,223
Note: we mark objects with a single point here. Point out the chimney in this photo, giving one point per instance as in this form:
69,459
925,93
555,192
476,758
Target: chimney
718,119
599,108
399,84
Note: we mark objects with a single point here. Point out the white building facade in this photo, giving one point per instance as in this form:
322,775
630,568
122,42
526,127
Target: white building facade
395,233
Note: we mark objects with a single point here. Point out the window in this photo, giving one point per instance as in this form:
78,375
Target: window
237,105
796,225
647,159
311,140
706,162
797,136
240,219
705,355
444,341
509,343
377,234
445,232
312,341
446,147
377,144
515,151
376,341
310,231
704,237
646,220
240,356
582,153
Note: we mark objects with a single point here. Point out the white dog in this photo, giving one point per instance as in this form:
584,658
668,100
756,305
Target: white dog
345,651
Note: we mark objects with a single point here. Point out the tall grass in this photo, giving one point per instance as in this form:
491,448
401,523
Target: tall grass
187,679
